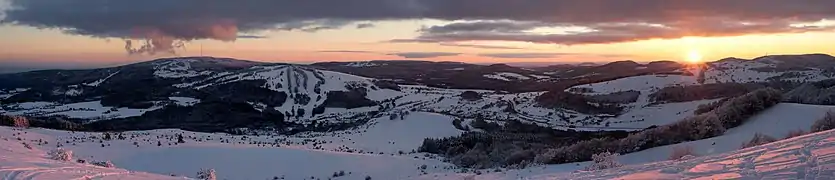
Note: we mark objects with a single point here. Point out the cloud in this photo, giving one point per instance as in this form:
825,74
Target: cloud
364,25
601,33
483,26
548,55
161,25
525,55
421,55
479,46
346,51
252,37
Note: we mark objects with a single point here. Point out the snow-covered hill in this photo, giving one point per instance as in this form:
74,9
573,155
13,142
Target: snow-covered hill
721,154
813,67
375,151
305,94
19,163
383,149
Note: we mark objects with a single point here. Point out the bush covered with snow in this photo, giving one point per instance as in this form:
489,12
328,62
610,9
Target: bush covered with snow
14,121
825,123
622,97
106,164
758,139
514,143
681,151
603,160
703,108
821,93
60,154
737,110
206,174
701,92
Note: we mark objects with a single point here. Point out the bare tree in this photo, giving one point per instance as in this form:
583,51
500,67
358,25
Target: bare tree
825,123
60,154
603,160
20,121
206,174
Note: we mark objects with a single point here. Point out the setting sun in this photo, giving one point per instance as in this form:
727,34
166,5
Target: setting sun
694,57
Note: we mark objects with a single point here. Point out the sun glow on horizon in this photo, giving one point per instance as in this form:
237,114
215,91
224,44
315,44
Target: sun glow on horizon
694,57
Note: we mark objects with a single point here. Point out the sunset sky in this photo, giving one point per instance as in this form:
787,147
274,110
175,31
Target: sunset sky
94,33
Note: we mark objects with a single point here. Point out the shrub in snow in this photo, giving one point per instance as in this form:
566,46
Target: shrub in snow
338,174
367,177
206,174
457,124
699,127
60,154
604,160
470,96
825,123
737,110
758,139
703,108
795,133
519,157
681,151
27,146
106,164
20,122
14,121
477,157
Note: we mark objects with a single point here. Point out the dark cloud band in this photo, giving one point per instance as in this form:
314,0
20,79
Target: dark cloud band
165,24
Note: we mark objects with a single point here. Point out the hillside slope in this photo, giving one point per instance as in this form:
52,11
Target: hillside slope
776,122
381,149
19,163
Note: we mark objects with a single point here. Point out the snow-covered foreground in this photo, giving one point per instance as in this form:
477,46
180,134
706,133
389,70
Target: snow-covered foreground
373,151
18,162
806,157
775,122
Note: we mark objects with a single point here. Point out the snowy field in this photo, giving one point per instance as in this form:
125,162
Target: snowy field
92,110
775,122
374,150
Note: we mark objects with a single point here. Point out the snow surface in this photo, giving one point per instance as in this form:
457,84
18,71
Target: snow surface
92,110
506,76
98,82
722,154
20,163
375,150
177,68
540,76
743,71
184,101
645,83
657,114
10,93
363,64
371,150
297,81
